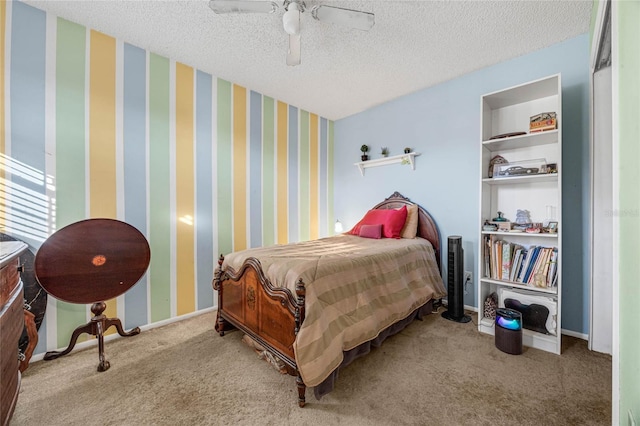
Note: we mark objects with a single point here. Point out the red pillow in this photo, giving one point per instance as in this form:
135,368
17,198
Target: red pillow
392,221
371,231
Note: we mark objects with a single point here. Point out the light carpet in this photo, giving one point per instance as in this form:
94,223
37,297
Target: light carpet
435,372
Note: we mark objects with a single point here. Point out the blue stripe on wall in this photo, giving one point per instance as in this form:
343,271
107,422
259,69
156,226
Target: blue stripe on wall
204,195
255,169
135,172
294,225
29,217
323,191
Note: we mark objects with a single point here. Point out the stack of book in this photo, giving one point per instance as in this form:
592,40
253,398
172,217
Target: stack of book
535,266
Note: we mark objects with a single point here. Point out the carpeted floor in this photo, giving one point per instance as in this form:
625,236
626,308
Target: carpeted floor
435,372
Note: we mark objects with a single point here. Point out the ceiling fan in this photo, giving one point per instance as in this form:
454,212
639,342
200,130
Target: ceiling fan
291,18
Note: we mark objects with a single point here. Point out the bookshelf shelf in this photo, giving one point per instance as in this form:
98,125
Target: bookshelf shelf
548,290
520,234
522,141
501,112
550,177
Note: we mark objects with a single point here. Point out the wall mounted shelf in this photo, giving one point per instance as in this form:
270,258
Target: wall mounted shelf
396,159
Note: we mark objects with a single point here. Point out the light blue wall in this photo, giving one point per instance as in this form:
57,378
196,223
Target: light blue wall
443,123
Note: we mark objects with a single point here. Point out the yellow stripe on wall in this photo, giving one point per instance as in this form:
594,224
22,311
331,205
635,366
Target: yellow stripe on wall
239,167
185,187
3,16
313,177
102,133
282,167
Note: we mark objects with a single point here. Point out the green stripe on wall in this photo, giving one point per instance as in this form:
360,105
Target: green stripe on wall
225,185
304,177
70,150
268,172
159,188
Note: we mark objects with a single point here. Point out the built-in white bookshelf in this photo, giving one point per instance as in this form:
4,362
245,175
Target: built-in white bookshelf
509,111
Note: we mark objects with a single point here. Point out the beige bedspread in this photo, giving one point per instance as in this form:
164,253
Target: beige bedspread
355,288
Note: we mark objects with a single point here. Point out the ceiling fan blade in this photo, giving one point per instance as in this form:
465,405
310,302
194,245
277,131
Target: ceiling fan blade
347,17
293,54
243,6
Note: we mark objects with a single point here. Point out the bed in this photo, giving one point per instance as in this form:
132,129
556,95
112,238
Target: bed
318,305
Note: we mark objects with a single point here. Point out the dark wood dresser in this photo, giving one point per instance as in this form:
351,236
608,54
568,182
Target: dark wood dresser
11,325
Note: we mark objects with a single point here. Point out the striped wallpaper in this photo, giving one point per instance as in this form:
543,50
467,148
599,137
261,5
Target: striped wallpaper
95,127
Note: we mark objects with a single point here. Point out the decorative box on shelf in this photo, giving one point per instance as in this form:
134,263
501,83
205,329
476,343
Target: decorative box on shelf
542,122
502,226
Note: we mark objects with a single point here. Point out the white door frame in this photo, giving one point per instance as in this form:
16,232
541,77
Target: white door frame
615,289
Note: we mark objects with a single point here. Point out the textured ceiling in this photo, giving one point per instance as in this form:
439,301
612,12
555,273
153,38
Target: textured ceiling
413,44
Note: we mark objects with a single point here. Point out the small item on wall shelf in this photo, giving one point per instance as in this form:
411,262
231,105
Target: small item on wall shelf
552,227
507,135
364,149
407,150
384,151
543,121
552,168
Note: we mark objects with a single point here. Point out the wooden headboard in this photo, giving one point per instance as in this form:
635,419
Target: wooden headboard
427,227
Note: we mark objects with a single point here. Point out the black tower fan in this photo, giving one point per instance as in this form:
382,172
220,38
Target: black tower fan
455,277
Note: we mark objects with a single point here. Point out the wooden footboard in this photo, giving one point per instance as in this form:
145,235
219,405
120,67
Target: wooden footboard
272,316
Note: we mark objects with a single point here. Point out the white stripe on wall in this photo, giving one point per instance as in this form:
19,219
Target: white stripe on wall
51,316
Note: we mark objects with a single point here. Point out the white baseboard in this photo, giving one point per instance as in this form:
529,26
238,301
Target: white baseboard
94,342
575,334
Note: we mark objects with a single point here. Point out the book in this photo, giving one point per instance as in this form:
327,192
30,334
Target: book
537,278
506,261
515,262
487,257
553,267
532,260
523,255
525,265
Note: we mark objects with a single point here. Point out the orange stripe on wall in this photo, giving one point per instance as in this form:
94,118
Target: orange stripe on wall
102,126
282,167
185,188
102,133
314,232
239,168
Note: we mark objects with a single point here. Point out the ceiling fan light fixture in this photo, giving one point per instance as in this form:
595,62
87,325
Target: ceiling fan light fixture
291,19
